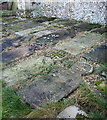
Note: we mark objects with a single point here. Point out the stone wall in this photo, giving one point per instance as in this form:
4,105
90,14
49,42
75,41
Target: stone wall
93,12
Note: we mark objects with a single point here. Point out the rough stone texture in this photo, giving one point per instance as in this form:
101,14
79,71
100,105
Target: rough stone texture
23,25
44,32
80,43
94,11
71,112
83,68
85,27
98,54
15,54
24,70
31,30
51,87
53,38
6,43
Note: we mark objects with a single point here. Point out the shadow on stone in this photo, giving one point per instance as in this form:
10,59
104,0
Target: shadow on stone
99,54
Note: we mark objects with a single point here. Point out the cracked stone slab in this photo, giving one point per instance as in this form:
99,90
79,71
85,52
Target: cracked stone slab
30,30
80,43
24,70
98,54
51,87
15,54
6,43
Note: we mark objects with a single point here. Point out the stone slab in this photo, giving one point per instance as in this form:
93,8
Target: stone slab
98,54
6,43
86,27
44,32
51,87
26,24
30,30
53,38
80,43
24,70
15,54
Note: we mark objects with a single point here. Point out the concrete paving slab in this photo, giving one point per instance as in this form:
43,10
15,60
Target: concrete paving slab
80,43
52,87
98,54
15,54
24,70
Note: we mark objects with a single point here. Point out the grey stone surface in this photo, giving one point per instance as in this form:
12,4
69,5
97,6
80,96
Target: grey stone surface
98,54
71,112
83,68
53,38
51,87
80,43
30,30
24,70
6,43
15,54
44,32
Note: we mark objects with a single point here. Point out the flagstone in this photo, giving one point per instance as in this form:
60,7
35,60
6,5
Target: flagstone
15,54
98,54
52,87
30,30
24,70
80,43
6,43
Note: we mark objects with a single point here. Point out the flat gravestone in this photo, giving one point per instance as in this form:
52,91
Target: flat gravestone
86,27
80,43
27,24
43,32
53,38
24,70
6,43
15,54
99,54
52,87
30,30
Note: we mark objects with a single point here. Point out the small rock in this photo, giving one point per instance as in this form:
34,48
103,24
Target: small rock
71,112
16,44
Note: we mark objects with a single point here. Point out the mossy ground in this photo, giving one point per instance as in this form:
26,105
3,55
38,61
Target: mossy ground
86,97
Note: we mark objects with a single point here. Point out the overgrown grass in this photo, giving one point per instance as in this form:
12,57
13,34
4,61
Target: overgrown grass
12,105
93,104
